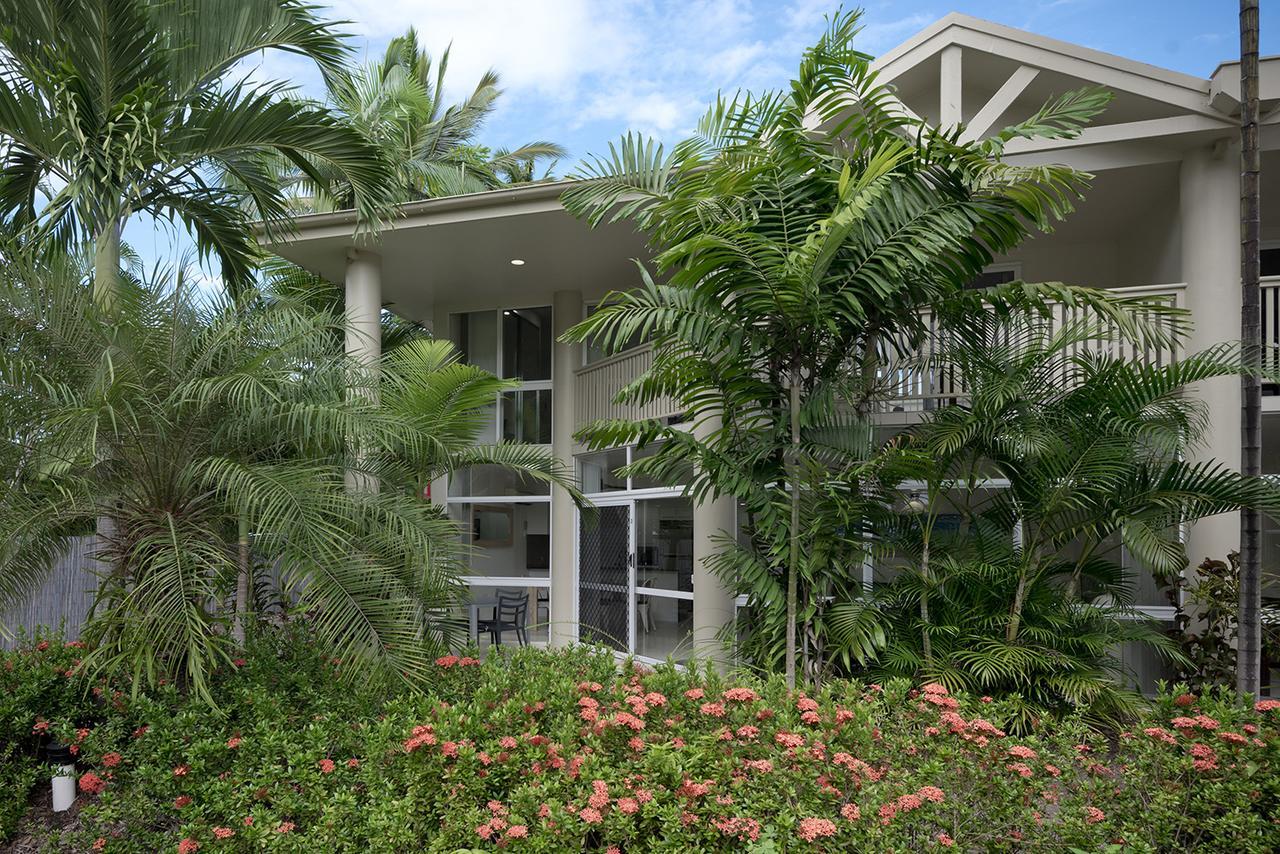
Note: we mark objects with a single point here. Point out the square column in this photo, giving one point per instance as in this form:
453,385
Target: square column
364,306
713,601
566,311
1210,215
363,335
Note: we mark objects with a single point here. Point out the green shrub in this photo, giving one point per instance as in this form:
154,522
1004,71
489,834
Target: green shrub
568,751
37,687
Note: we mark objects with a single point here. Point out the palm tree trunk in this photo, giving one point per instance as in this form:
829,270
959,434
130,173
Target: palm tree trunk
106,274
106,264
243,584
793,567
926,642
1248,662
1015,612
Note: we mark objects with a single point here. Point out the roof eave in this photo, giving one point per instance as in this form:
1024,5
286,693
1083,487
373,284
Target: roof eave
307,225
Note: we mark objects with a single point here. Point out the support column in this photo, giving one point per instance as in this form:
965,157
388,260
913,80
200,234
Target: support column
950,106
441,331
712,599
363,332
566,311
1210,215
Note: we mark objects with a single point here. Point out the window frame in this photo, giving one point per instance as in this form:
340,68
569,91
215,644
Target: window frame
520,385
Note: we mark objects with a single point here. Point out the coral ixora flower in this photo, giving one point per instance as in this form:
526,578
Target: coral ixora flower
91,783
811,829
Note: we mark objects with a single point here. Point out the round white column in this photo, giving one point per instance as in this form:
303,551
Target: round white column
1210,217
566,310
713,606
363,331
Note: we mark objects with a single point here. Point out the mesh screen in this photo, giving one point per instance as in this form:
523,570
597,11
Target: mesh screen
603,603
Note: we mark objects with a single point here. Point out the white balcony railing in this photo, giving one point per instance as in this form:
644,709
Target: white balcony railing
1271,327
599,382
908,388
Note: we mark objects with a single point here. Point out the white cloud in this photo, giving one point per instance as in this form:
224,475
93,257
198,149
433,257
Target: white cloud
542,46
644,65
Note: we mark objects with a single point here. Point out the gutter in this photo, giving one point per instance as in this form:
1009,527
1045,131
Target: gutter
471,201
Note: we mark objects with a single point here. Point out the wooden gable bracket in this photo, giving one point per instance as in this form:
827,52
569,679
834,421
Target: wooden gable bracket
1004,97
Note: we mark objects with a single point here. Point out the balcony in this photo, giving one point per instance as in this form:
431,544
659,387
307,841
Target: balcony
908,388
599,382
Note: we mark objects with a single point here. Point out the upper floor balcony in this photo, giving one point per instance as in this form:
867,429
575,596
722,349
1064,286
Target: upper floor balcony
910,388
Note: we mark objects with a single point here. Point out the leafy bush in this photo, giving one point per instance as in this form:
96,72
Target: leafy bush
569,751
34,691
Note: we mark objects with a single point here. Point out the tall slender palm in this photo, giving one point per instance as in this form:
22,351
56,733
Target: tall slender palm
398,104
1249,676
794,259
178,419
111,108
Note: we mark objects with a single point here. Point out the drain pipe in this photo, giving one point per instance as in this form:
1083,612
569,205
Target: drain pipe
64,775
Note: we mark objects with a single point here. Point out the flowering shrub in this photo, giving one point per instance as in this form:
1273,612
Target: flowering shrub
38,685
546,752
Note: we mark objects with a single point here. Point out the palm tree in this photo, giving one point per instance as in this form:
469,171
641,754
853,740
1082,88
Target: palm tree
1249,675
184,421
398,105
791,260
112,108
1030,594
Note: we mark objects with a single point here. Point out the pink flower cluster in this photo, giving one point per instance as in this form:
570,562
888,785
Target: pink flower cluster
740,827
1204,759
1203,722
811,829
91,783
422,735
740,695
906,803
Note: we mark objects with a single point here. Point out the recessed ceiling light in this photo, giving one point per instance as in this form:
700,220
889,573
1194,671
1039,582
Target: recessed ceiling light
517,262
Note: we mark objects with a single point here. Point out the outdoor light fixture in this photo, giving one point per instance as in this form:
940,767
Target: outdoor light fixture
64,775
915,504
517,262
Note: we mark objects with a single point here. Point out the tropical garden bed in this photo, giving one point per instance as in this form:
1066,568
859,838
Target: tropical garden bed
569,751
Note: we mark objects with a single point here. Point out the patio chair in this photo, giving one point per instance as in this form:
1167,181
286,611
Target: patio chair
509,615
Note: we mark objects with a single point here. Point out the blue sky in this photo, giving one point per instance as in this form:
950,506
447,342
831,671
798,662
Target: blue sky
582,72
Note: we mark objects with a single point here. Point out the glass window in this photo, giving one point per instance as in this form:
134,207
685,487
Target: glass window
645,482
475,334
1142,666
664,627
1269,260
494,480
526,343
1270,559
991,278
600,471
507,540
526,416
664,544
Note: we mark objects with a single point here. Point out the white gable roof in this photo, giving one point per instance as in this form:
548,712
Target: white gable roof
990,53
